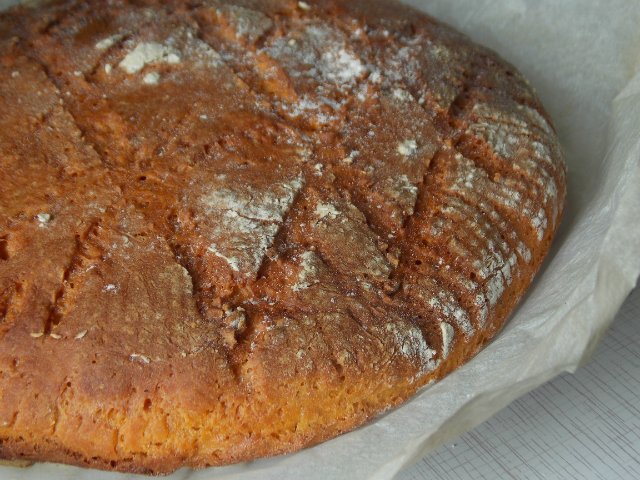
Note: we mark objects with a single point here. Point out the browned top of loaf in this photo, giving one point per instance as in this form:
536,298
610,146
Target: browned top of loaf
231,229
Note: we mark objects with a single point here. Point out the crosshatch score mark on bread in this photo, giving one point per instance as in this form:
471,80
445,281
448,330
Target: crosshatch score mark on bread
234,229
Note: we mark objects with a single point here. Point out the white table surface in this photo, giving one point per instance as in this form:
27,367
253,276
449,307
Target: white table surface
582,426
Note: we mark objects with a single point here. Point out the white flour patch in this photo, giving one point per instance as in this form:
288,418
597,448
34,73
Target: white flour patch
138,357
311,108
539,222
351,157
309,269
321,54
407,147
447,338
244,221
524,252
326,210
412,344
43,219
445,303
401,95
146,53
342,66
247,23
151,78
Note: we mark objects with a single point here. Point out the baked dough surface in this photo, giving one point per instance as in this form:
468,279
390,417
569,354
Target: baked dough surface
233,229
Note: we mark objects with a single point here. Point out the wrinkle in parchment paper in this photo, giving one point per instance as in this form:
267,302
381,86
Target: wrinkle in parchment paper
583,61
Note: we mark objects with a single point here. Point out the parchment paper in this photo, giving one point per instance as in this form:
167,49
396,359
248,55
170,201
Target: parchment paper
583,58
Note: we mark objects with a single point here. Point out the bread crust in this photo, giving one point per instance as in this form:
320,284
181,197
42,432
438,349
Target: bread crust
235,229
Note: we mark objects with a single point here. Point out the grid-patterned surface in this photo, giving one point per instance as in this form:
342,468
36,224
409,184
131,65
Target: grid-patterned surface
583,426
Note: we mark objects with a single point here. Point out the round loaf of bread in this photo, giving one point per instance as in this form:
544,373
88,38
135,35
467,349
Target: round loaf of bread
231,229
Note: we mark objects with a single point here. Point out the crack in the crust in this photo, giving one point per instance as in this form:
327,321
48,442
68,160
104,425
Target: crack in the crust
5,301
280,234
9,300
193,275
408,223
367,51
198,289
201,36
179,257
253,87
12,421
57,82
55,315
422,188
116,441
56,411
4,247
457,106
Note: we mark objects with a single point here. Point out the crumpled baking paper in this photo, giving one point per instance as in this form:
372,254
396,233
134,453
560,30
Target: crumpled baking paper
583,59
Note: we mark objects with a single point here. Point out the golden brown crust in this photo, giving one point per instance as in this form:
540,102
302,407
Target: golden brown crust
233,229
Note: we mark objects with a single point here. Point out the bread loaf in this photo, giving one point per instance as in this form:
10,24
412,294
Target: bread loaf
234,229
